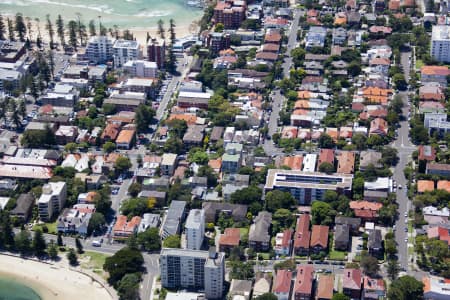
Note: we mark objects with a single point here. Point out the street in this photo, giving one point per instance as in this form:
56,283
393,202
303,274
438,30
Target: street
405,149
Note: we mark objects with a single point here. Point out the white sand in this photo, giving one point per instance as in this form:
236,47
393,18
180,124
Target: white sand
52,282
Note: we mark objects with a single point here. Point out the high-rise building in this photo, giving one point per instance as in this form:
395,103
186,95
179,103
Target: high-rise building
195,229
230,13
440,43
193,269
156,52
124,50
52,200
99,49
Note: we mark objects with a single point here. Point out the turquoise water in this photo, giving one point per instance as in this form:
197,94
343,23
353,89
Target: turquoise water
10,289
123,13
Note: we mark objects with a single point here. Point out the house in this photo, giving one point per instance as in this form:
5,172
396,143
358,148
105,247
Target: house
168,164
126,138
325,287
24,206
375,196
149,221
440,233
216,134
326,155
304,282
263,282
373,288
427,153
75,220
66,134
212,210
283,242
282,284
434,74
315,37
194,136
353,223
341,237
378,126
339,36
375,243
319,238
110,132
367,158
351,283
193,99
346,162
123,228
294,162
231,159
173,219
366,210
438,169
229,239
242,288
302,235
259,235
435,288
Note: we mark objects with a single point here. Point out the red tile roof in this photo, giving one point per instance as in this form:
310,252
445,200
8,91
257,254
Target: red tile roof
435,70
304,280
319,236
425,186
443,185
230,237
302,233
283,282
325,287
326,155
294,162
352,279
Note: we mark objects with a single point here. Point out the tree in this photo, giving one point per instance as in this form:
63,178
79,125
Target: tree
340,296
134,189
283,217
246,195
52,250
2,29
360,141
369,264
59,240
122,164
326,141
149,240
78,245
389,156
128,287
393,268
173,145
400,81
134,207
198,156
374,140
143,118
38,245
51,32
326,167
11,36
60,30
241,270
20,27
39,138
267,296
22,242
320,212
161,31
72,257
109,147
73,34
172,241
406,288
96,222
91,26
208,172
278,199
125,261
219,27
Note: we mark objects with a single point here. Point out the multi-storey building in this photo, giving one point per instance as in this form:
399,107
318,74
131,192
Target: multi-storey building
230,13
156,52
305,186
52,200
124,50
193,269
141,68
440,43
195,229
99,49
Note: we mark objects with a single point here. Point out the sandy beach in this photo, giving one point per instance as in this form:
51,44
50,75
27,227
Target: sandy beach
52,282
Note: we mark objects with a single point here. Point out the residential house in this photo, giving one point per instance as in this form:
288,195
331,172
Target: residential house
238,212
123,228
263,283
440,233
346,162
367,158
325,287
438,169
375,243
126,138
149,221
283,242
110,132
366,210
240,288
326,155
373,288
302,235
168,164
353,223
282,285
232,158
66,134
434,74
259,234
315,37
339,36
229,239
341,237
378,126
75,220
319,238
23,208
435,288
194,136
351,283
303,284
425,186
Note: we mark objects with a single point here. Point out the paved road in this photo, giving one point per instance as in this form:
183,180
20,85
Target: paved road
405,149
276,96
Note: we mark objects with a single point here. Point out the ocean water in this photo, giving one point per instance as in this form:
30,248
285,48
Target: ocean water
11,289
127,14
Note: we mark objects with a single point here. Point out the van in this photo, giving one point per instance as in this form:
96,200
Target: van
96,244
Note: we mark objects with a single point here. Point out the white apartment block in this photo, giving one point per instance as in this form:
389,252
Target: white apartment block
52,200
440,43
195,229
193,270
99,49
124,51
141,68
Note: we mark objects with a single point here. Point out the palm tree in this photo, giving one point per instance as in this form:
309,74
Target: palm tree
15,117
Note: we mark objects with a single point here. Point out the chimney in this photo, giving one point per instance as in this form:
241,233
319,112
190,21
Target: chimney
212,252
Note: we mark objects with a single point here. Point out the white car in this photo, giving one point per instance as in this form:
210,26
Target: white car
406,214
406,240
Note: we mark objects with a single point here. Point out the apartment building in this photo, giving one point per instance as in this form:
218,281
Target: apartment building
52,200
124,51
307,186
440,43
195,229
230,13
123,228
194,270
141,68
156,52
99,49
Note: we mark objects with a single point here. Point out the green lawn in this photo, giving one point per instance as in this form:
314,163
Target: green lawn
93,261
50,226
419,64
265,256
337,255
243,231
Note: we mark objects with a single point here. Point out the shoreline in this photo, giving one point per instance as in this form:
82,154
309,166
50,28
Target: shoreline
51,281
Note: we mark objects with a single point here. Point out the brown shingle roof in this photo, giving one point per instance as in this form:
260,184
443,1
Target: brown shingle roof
319,236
